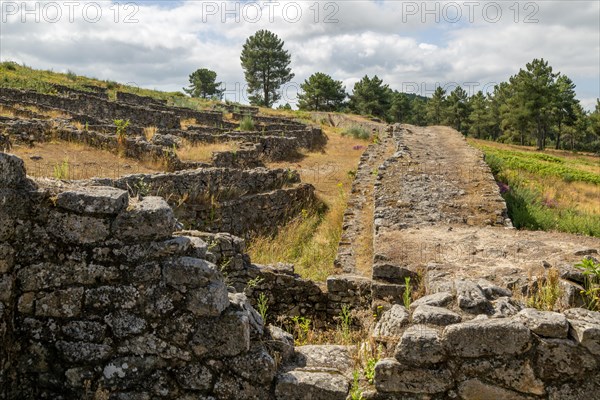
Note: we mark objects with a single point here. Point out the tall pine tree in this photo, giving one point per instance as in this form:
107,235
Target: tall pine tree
266,67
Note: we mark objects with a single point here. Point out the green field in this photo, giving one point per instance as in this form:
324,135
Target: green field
550,190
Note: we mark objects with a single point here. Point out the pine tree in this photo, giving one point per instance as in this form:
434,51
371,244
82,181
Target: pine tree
479,117
458,108
565,105
418,112
400,107
371,97
321,93
266,67
203,84
436,106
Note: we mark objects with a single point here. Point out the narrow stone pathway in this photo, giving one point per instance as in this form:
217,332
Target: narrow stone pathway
355,251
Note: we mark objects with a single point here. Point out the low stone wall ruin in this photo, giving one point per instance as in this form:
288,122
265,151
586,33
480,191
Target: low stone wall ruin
99,300
241,202
96,107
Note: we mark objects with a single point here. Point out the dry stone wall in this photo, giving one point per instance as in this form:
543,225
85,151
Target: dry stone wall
99,299
96,107
445,346
241,202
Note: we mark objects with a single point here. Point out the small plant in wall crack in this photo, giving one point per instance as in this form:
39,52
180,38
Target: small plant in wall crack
301,330
121,130
345,323
262,305
355,390
406,296
591,291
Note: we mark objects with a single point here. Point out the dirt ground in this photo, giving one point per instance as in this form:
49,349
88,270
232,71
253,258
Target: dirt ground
77,161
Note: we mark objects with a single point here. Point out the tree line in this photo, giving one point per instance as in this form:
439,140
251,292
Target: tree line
536,106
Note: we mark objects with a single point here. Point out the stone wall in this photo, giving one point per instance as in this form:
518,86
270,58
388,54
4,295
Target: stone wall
288,294
241,202
477,342
139,100
96,107
99,300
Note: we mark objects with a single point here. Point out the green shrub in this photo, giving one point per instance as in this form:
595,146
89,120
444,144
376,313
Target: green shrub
247,124
591,292
357,132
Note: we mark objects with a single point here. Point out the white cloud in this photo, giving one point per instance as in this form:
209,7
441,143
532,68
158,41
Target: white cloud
400,41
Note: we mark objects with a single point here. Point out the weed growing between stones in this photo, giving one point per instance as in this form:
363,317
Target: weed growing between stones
149,132
247,124
591,291
301,330
406,296
355,390
546,292
345,322
121,130
262,306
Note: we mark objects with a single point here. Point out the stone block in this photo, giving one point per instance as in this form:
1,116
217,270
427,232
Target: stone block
470,297
225,336
392,273
77,352
61,303
304,385
93,200
148,219
545,323
440,299
474,389
391,323
431,315
394,377
486,337
559,359
12,170
420,345
585,328
125,324
107,298
78,229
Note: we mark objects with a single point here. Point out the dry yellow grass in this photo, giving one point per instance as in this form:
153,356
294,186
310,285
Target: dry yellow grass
311,240
149,132
326,169
82,162
203,151
48,113
187,122
7,112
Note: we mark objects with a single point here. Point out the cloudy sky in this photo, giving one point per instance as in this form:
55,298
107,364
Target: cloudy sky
412,45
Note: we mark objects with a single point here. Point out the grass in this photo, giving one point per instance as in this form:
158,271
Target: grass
247,124
149,132
357,132
83,162
591,291
17,76
551,190
546,292
310,241
203,151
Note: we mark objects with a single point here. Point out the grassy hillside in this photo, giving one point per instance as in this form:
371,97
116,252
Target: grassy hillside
549,190
18,76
